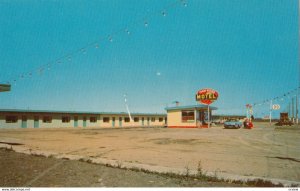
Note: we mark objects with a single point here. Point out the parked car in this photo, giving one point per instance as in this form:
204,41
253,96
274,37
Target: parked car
233,124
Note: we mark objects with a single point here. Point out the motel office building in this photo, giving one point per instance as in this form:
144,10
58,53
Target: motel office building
193,116
68,119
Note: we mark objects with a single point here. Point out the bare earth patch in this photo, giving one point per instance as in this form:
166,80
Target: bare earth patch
264,152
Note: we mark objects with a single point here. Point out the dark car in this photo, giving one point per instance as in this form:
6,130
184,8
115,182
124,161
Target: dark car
282,123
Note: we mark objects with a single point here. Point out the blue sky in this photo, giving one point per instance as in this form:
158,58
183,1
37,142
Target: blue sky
246,50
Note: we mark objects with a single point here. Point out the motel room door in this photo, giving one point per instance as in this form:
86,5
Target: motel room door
113,121
84,122
120,122
36,122
24,122
75,121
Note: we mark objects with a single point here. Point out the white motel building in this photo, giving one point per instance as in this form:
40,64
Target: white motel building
11,118
193,116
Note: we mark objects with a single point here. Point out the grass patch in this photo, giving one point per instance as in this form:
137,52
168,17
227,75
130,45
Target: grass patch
51,156
37,155
201,175
119,164
262,183
187,171
8,149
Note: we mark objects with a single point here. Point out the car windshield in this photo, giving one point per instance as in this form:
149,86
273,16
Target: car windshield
232,120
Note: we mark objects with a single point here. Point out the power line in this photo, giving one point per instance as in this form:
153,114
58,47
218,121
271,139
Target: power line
283,97
143,21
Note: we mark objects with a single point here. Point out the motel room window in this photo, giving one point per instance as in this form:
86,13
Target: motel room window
160,119
127,119
106,119
36,118
65,119
24,118
11,119
136,119
47,119
93,119
187,116
152,119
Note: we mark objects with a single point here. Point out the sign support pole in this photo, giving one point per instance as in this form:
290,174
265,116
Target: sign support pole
208,123
207,96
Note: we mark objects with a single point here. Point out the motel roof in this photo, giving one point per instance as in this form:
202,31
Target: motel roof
77,112
197,107
225,115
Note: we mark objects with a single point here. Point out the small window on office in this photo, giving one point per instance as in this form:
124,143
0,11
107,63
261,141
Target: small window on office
152,119
47,119
127,119
106,119
11,119
65,119
160,119
187,116
93,119
136,119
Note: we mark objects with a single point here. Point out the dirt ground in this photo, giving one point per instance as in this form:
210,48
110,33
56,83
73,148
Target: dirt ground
21,170
264,152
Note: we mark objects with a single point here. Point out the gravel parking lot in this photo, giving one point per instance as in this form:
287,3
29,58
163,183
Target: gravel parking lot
263,152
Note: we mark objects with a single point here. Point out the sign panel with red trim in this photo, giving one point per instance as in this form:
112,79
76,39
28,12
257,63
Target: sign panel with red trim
207,96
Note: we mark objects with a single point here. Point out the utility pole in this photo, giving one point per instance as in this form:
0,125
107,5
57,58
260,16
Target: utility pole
297,120
271,112
297,97
289,110
293,114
